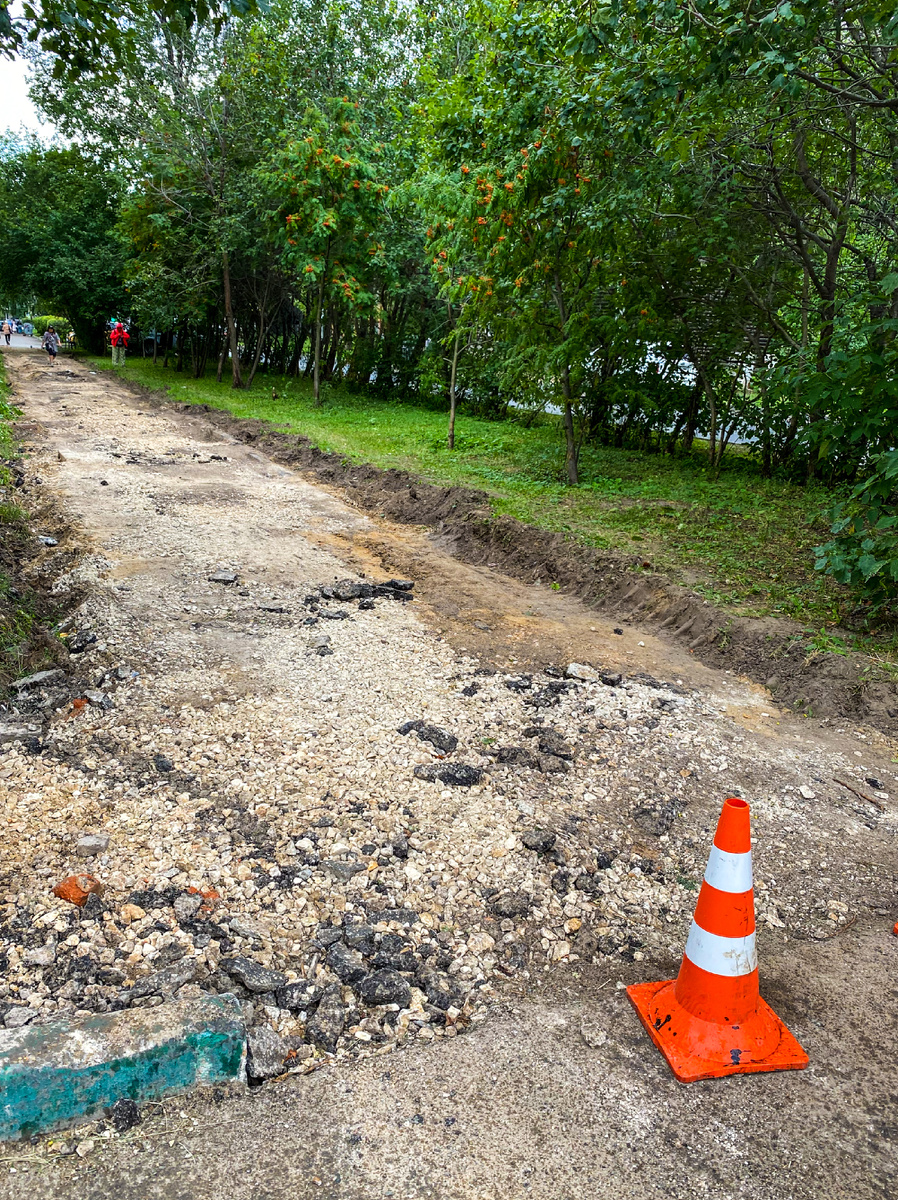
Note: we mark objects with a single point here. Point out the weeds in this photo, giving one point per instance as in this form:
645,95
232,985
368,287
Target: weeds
826,643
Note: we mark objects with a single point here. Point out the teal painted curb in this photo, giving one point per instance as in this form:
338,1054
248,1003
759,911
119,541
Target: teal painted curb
68,1071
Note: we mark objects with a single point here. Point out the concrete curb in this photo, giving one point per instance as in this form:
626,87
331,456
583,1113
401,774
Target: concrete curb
61,1073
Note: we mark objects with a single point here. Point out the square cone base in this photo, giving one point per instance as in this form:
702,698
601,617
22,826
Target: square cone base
787,1054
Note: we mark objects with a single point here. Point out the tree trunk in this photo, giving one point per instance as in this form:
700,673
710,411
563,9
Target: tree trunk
691,419
316,376
571,449
232,324
263,330
330,360
711,397
674,435
453,372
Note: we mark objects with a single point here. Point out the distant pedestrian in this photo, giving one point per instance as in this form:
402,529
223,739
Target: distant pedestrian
50,342
7,331
119,338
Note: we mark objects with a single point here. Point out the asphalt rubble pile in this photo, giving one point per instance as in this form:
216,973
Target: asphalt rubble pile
356,886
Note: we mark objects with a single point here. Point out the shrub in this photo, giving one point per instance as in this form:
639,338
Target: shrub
864,549
62,326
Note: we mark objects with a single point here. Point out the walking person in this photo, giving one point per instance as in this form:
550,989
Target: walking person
7,330
50,342
119,338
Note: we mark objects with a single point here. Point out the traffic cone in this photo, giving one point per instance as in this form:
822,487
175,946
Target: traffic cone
711,1021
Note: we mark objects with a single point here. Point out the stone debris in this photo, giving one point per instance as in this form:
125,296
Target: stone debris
265,1053
455,774
579,671
442,739
327,1023
39,679
185,907
91,844
12,730
165,982
253,976
123,1115
540,840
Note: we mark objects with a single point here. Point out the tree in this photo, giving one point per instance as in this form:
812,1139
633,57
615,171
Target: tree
86,39
61,242
325,198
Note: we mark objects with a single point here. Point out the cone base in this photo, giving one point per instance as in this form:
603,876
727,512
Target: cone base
697,1049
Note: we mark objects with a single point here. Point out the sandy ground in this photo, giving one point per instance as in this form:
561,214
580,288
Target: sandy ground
557,1092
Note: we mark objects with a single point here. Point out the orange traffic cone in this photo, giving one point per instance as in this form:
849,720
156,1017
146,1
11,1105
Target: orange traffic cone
711,1021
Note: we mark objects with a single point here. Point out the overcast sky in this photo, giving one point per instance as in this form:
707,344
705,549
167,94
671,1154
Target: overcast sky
17,110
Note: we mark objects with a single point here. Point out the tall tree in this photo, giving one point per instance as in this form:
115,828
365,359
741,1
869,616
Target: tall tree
327,203
61,242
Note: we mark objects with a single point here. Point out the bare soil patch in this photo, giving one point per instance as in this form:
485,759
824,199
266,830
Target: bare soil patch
770,651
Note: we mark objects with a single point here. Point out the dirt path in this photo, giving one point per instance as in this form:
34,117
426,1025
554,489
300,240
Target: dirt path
224,752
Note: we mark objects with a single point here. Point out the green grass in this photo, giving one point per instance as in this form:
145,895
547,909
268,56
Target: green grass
742,541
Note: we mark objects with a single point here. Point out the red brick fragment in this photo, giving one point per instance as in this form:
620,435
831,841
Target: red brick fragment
77,888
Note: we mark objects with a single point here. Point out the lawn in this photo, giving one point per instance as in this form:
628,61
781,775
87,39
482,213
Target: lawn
742,541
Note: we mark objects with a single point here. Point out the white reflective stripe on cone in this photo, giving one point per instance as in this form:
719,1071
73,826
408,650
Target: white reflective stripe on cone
721,955
729,872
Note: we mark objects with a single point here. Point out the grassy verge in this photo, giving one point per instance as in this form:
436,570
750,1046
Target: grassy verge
742,541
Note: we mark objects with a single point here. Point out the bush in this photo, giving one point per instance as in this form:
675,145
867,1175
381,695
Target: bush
62,326
864,549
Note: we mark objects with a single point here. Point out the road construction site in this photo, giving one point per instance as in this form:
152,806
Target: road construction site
426,823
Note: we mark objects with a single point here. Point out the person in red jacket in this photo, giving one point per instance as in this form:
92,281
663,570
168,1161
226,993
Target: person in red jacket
119,338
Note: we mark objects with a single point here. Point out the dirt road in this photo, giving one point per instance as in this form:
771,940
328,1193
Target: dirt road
243,738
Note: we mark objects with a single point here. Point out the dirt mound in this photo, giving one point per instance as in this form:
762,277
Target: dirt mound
770,651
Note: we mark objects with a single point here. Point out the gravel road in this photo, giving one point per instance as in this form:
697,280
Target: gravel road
380,811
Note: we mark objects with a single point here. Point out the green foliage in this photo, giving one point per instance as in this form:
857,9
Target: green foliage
326,208
60,324
84,38
17,605
60,242
864,550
